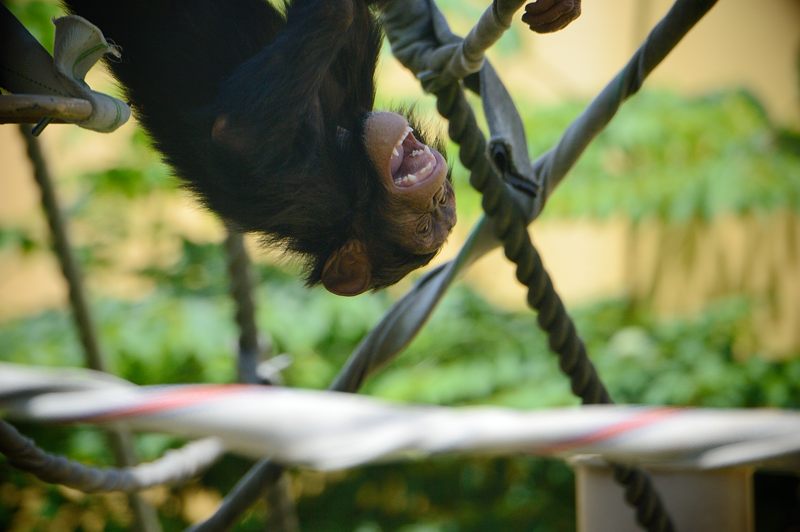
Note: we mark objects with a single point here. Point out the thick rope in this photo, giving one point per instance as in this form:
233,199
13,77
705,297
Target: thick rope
241,291
282,515
61,246
510,226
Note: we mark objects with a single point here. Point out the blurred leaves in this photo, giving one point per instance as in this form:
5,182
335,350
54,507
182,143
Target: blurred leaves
129,182
199,270
141,172
675,158
18,239
469,353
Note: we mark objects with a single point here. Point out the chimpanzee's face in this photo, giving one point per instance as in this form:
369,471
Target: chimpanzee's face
420,198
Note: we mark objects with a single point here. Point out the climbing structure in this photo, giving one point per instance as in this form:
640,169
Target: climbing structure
514,192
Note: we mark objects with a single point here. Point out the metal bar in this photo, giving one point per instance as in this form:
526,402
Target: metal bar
30,108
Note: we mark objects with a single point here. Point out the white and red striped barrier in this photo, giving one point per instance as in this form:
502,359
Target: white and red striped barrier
330,430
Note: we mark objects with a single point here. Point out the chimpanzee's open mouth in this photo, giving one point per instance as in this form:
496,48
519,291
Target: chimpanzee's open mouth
413,162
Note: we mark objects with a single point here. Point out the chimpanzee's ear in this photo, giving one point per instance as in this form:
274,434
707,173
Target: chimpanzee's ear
347,272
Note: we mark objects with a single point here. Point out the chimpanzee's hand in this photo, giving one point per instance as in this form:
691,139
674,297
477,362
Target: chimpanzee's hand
547,16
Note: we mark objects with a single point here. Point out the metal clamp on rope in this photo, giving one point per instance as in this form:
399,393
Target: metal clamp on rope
501,157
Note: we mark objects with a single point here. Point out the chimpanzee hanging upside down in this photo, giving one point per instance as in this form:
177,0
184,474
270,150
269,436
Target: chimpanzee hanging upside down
269,119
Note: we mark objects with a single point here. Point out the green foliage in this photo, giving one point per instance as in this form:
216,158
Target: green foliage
127,181
140,174
445,494
154,341
675,158
692,361
17,238
200,270
470,353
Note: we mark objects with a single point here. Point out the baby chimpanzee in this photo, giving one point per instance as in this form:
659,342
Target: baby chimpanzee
268,118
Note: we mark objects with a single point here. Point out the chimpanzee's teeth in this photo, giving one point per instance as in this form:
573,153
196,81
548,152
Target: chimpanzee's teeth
403,138
395,152
406,180
415,153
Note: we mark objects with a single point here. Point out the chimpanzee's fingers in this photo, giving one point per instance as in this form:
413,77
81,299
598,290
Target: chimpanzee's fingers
546,16
549,27
538,7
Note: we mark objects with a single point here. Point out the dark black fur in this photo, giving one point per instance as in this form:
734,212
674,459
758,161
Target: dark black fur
286,83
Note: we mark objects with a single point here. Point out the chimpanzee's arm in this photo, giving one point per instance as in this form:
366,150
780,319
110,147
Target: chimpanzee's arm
272,97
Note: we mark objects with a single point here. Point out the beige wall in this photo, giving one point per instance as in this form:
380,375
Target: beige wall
739,43
678,269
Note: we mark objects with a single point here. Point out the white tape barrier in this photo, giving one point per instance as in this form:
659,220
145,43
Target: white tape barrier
329,430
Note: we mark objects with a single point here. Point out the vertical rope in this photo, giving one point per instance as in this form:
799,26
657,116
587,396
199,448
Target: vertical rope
510,226
241,291
144,514
282,515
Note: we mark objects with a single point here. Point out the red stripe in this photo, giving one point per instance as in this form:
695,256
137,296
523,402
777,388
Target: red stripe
174,399
607,433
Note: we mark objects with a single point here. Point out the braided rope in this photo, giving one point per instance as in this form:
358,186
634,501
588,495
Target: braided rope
174,466
66,261
241,291
511,227
282,516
